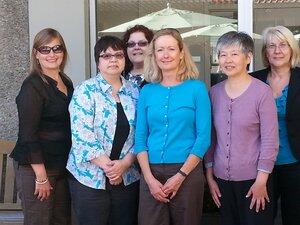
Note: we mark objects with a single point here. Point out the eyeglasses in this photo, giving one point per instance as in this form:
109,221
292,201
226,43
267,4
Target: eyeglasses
140,44
108,56
45,50
282,46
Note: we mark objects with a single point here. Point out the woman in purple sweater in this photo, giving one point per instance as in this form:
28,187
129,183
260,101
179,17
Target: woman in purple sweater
245,137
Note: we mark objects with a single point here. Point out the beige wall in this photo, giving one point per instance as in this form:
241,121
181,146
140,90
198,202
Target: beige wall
70,18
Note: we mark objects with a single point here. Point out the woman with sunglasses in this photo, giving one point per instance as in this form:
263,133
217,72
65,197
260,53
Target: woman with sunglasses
137,39
281,54
44,139
104,180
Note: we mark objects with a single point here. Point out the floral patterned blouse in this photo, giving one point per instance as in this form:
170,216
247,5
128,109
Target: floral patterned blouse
93,113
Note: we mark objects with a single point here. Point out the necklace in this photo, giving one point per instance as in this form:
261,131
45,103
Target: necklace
277,83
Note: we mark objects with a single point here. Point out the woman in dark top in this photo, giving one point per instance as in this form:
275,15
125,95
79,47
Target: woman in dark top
104,180
137,40
44,139
281,54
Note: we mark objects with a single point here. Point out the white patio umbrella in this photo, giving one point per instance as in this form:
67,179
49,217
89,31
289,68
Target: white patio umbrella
171,18
214,31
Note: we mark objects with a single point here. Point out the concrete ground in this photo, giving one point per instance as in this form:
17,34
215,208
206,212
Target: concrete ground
11,217
16,218
208,219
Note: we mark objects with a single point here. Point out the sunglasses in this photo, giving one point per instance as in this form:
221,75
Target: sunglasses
140,44
45,50
108,56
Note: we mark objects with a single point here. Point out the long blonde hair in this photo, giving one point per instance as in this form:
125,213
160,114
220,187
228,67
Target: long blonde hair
187,68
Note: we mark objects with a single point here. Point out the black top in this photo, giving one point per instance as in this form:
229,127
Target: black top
292,107
121,133
136,79
143,83
44,122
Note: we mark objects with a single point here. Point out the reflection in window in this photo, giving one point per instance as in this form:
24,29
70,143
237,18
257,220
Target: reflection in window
206,19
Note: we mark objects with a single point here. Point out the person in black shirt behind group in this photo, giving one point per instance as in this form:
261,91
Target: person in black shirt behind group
44,139
137,40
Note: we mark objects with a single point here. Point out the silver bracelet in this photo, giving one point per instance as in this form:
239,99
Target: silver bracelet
41,181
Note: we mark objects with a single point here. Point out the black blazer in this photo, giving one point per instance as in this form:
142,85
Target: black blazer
292,107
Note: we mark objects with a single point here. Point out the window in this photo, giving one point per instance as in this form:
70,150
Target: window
273,13
111,13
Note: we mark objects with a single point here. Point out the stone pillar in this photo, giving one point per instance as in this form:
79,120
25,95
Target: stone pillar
14,62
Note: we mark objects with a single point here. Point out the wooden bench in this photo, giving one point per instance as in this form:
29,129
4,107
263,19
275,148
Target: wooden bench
8,194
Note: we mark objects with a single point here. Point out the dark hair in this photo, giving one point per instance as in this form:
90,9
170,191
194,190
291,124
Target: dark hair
137,28
44,37
105,42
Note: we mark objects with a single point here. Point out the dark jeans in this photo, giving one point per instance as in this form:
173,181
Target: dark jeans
115,206
184,209
53,211
287,188
235,206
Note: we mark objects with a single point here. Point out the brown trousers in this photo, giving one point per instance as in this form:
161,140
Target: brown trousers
184,209
53,211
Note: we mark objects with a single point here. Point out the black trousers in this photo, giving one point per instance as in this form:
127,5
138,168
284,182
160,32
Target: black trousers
114,206
184,209
287,188
235,207
56,210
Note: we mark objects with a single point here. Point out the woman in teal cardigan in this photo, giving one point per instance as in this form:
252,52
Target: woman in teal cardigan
172,134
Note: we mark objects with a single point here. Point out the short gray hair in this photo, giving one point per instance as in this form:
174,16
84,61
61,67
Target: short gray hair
236,38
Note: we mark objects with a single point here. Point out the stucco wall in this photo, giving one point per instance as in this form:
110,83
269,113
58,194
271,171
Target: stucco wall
14,61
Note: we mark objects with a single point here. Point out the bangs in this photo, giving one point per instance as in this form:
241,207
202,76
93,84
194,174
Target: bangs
275,34
116,47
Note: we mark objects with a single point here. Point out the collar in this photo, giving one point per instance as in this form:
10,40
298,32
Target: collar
106,87
49,79
62,76
137,79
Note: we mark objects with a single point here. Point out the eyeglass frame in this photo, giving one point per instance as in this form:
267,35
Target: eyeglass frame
109,56
132,44
283,46
56,49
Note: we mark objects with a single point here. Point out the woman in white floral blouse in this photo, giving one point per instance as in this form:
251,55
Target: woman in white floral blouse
103,178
